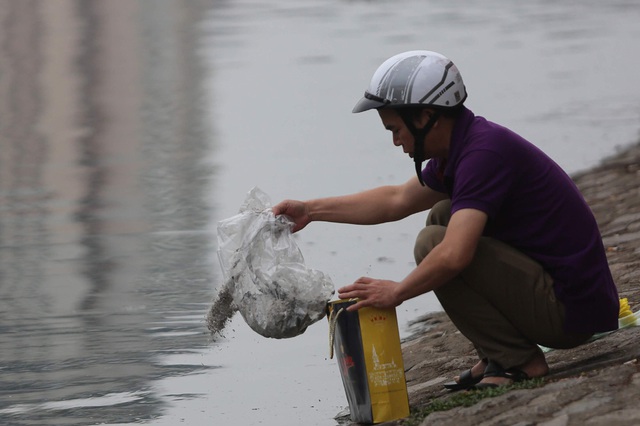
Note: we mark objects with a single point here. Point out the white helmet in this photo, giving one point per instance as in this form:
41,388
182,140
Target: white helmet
414,78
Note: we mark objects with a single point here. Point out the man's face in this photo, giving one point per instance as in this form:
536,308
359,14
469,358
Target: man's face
400,134
433,143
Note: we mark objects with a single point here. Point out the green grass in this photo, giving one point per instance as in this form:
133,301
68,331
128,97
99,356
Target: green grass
467,399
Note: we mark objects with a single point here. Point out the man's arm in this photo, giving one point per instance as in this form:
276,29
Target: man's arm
441,265
378,205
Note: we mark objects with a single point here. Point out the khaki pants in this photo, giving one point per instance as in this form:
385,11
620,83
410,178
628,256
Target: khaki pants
503,302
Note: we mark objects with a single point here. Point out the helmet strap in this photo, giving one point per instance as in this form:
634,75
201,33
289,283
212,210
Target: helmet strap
418,138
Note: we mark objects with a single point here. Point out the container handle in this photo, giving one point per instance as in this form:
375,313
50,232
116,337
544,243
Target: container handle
333,321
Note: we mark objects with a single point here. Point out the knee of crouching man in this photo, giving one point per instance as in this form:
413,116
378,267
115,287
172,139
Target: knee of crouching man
427,239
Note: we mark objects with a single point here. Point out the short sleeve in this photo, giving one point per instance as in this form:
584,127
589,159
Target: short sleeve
432,176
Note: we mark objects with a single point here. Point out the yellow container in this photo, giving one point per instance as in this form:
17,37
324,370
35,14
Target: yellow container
367,345
626,316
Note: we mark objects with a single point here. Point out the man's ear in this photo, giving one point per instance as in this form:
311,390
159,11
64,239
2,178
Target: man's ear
422,117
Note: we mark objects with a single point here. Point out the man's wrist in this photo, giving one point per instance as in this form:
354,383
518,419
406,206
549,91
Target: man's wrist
397,294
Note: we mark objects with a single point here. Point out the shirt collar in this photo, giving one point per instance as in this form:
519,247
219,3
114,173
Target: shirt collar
458,139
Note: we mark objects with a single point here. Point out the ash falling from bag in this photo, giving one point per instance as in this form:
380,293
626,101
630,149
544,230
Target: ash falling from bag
222,310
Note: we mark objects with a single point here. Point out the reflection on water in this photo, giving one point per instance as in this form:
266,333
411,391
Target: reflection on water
105,261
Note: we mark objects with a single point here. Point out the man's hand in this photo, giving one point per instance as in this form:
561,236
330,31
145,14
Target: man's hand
371,292
297,211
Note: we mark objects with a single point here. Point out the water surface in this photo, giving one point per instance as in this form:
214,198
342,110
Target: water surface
129,128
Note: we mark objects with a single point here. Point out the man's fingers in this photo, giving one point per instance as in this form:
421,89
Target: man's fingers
358,305
354,291
351,287
360,284
363,290
349,294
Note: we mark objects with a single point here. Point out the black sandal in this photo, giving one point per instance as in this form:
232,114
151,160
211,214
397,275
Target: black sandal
466,381
495,370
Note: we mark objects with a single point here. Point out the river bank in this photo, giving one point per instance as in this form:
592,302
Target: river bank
595,384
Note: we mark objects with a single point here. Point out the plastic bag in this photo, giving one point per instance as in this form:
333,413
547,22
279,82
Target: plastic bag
265,274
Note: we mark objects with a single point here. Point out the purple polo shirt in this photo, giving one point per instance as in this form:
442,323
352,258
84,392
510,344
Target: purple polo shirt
535,207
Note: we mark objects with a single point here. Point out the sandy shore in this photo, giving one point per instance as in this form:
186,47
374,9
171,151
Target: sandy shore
597,383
